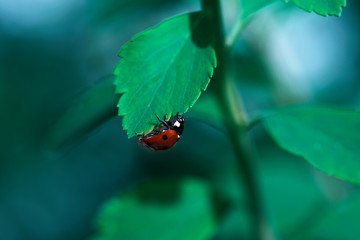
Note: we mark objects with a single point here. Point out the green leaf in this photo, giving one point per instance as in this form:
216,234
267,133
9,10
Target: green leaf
93,107
163,71
250,7
327,138
321,7
159,209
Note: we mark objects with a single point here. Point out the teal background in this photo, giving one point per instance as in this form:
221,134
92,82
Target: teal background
50,53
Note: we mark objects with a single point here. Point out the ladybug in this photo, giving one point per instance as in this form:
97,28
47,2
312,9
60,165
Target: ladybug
164,137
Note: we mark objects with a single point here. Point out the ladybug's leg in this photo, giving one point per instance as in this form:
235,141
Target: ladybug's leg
167,122
163,122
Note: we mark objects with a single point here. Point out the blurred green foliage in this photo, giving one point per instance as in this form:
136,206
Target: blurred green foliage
51,53
331,149
160,209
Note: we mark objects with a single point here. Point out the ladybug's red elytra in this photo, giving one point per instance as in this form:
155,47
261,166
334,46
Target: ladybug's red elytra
164,137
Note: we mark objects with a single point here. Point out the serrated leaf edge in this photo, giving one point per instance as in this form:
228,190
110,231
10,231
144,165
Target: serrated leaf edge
312,9
210,71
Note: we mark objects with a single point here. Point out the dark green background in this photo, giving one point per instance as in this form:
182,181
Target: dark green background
51,53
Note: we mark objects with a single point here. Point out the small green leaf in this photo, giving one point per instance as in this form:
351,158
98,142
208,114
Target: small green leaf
163,71
327,138
250,7
159,209
93,107
321,7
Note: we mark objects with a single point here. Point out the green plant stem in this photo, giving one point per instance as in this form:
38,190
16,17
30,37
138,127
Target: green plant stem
235,122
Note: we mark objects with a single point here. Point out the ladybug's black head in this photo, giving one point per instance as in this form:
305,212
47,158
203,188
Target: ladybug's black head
178,125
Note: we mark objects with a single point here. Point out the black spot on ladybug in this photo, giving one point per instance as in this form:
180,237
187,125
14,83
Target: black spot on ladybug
164,148
165,137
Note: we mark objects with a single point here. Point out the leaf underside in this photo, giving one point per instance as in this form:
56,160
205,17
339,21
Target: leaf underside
321,7
327,138
163,71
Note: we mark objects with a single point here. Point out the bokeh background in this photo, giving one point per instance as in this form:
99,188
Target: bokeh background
52,51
